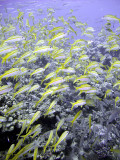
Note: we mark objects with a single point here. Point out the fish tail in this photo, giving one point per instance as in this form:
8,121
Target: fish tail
2,42
28,128
55,147
42,81
72,123
23,137
44,149
14,95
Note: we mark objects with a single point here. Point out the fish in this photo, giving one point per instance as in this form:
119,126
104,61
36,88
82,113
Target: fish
90,123
82,78
83,57
62,137
4,89
48,141
90,29
108,93
22,90
24,126
27,23
44,95
57,80
9,151
32,58
14,39
50,107
14,108
60,88
58,36
84,87
10,55
43,49
56,29
18,145
110,18
65,70
50,75
79,102
114,47
37,71
40,42
33,88
13,72
91,65
76,117
79,42
61,122
117,100
24,150
35,153
34,118
2,119
34,129
20,14
6,49
26,54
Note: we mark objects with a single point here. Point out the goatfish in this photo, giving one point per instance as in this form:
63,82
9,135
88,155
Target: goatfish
84,57
33,88
2,119
48,141
55,81
32,131
79,102
50,75
83,78
44,95
66,70
18,145
56,29
62,137
24,150
14,39
79,42
5,89
22,90
60,124
114,47
111,18
40,42
13,72
32,58
50,107
91,66
24,126
58,36
37,71
76,117
9,151
60,88
14,108
35,153
6,49
10,55
34,118
43,49
84,87
26,54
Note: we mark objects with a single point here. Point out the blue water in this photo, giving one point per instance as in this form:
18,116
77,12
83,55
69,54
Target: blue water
89,11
